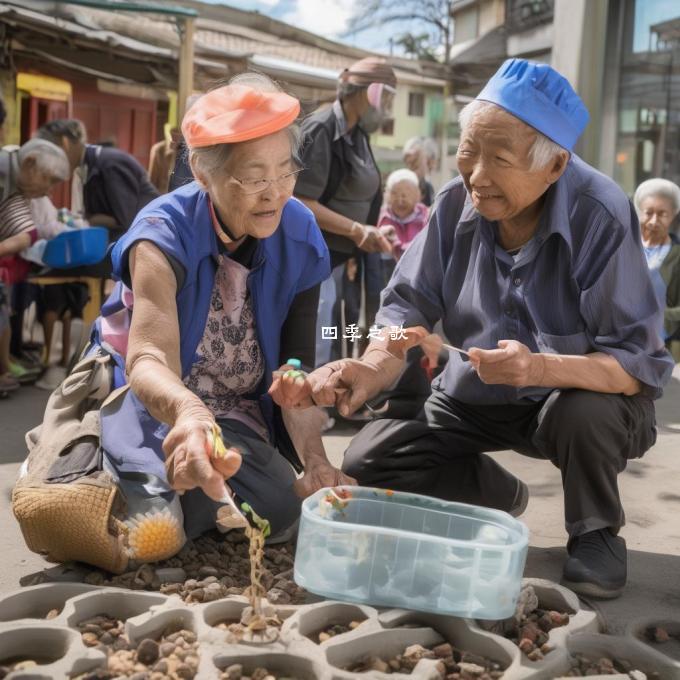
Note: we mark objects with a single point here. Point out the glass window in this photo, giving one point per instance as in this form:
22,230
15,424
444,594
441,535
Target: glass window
416,104
648,131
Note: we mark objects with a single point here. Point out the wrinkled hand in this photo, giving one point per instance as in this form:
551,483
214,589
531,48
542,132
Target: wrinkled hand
290,388
512,364
196,457
372,241
345,384
389,232
319,474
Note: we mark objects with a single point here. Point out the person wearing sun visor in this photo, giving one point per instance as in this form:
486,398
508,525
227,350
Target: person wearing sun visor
341,184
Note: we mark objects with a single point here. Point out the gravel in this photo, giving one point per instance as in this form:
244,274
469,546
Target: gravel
335,629
583,666
452,663
173,656
210,568
235,672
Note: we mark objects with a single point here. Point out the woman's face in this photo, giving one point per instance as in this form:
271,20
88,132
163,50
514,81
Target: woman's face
247,202
656,214
402,198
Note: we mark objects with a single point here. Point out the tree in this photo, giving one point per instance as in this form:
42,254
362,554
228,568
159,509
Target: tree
417,46
434,15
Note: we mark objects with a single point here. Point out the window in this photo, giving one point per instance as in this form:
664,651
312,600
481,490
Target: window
387,128
416,104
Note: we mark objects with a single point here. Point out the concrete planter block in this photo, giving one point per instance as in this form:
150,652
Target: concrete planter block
595,647
36,601
344,650
302,668
113,602
58,651
153,625
666,651
310,620
550,596
462,634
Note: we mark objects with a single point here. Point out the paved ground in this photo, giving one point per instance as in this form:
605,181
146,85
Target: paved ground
650,489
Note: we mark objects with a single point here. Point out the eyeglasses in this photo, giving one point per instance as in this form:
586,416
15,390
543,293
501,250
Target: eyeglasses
257,186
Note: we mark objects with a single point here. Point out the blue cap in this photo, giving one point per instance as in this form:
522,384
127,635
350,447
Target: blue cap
541,97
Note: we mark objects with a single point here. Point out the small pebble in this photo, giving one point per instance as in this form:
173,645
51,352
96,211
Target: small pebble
147,652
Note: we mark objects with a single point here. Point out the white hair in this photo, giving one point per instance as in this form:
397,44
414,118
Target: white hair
658,187
401,175
425,144
542,151
49,158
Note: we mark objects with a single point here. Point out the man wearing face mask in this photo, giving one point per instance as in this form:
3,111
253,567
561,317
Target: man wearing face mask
341,184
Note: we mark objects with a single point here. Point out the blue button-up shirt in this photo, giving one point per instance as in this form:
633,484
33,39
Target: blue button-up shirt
580,285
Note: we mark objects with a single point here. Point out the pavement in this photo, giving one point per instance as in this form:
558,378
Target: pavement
650,490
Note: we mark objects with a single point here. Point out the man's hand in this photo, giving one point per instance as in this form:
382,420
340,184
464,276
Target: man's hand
512,364
371,240
345,384
196,456
318,474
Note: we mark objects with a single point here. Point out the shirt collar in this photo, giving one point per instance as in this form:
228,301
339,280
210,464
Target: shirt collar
554,217
341,123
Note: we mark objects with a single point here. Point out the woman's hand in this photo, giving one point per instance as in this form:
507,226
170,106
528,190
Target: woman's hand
195,455
290,388
318,474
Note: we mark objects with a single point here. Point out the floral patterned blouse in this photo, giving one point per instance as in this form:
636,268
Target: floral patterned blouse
230,362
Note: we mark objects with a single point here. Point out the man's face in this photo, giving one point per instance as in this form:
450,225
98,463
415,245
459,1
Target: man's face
416,161
493,159
33,182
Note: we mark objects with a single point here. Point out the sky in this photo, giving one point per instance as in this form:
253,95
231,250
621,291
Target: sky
327,18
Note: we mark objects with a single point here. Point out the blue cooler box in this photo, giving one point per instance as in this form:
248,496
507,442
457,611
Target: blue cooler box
77,248
404,550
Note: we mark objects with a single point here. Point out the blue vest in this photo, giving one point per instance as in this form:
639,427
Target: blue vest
293,259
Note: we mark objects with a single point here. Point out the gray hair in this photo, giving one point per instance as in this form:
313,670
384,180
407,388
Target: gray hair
401,175
213,159
425,144
49,158
658,187
543,150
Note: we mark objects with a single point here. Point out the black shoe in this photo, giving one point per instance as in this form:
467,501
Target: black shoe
597,564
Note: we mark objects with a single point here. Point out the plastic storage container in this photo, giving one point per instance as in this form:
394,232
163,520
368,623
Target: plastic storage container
405,550
76,248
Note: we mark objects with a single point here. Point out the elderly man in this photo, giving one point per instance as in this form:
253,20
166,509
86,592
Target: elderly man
532,260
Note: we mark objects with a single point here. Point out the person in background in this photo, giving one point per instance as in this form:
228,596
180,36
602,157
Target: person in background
403,216
341,185
420,156
657,202
109,186
25,174
162,158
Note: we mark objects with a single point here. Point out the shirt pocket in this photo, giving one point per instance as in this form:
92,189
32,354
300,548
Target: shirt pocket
574,343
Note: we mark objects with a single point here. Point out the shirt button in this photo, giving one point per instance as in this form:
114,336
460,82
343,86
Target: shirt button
509,312
517,281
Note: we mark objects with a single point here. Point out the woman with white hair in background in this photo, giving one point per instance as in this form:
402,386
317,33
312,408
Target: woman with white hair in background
26,173
657,202
420,155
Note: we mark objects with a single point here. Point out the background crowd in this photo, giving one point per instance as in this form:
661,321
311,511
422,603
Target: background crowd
368,220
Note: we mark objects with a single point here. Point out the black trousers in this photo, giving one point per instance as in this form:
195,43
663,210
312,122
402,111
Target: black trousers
589,436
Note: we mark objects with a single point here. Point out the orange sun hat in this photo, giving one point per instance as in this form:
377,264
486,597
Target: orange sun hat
237,113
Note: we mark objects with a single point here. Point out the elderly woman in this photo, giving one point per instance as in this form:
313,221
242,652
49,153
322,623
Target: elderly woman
420,155
657,202
219,284
25,174
528,260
